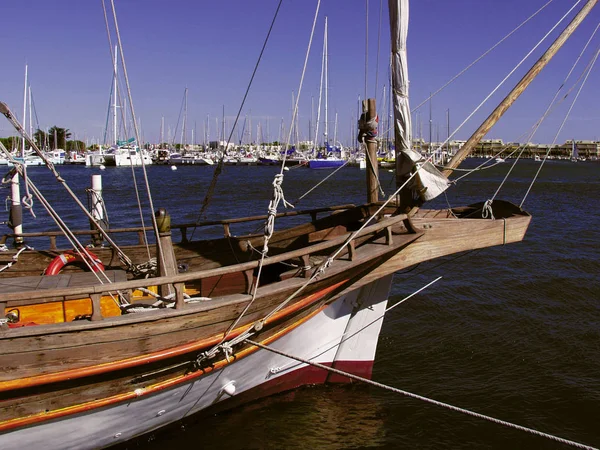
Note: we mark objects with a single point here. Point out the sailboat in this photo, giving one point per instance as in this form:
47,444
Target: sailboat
122,152
325,159
574,152
127,346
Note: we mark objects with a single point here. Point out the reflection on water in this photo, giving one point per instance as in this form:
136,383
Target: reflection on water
314,417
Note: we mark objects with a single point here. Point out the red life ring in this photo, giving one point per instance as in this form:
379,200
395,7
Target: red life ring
70,257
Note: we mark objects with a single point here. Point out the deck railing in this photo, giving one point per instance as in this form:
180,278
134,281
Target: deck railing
183,228
380,231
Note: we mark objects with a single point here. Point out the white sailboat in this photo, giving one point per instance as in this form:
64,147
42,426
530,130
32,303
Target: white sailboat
122,153
325,159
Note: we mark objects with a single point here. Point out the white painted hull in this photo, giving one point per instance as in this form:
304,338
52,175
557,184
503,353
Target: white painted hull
337,335
94,159
125,159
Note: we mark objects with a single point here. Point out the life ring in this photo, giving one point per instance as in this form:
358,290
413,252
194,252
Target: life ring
71,257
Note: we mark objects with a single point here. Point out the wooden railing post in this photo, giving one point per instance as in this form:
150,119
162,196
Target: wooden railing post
96,309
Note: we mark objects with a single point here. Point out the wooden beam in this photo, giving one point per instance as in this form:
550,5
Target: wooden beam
369,108
518,89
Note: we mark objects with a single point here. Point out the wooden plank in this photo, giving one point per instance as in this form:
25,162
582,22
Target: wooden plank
13,296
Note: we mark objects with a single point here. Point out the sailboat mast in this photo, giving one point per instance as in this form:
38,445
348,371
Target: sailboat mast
115,98
326,50
24,112
162,130
183,133
518,89
30,113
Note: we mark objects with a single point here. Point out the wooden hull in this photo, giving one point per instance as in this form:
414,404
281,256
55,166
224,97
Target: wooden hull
331,335
119,376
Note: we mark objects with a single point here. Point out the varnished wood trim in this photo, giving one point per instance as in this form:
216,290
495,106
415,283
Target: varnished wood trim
160,355
16,299
151,389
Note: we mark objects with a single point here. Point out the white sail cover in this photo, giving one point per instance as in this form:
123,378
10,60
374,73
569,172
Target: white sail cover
429,182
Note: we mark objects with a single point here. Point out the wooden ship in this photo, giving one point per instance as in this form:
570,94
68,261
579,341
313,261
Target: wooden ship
95,357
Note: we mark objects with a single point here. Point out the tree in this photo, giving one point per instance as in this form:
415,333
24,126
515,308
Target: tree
11,143
78,146
58,137
41,138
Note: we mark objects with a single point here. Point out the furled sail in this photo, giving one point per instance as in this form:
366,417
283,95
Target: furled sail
428,183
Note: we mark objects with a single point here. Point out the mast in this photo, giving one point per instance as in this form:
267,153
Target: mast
430,148
369,114
30,113
207,139
428,182
183,134
335,129
162,130
115,98
518,89
448,129
325,52
24,112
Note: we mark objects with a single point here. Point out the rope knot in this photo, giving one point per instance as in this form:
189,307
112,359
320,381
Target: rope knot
487,211
367,129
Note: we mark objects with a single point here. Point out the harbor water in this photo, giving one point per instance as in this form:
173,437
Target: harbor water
510,332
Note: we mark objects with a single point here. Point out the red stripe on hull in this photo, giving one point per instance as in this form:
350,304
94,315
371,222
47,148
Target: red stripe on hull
301,377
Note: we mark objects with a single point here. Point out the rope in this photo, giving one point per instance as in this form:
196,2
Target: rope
422,398
272,211
480,58
589,69
321,182
220,164
295,112
325,264
139,141
440,147
553,104
122,256
277,196
372,167
487,211
15,257
540,121
345,336
268,233
79,247
27,200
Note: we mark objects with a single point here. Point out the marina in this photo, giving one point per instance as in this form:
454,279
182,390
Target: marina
482,344
153,295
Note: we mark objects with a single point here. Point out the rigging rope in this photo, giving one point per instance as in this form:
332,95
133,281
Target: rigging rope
422,398
220,163
122,256
73,240
487,211
325,264
321,182
139,143
295,112
277,191
440,147
483,55
589,69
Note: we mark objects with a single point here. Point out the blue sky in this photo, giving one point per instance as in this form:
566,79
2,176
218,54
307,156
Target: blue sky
212,47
